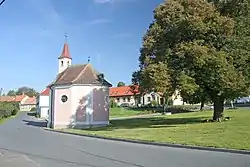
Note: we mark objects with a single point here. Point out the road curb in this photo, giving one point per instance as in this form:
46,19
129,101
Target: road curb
245,152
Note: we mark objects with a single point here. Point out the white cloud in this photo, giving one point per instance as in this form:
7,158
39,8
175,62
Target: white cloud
98,21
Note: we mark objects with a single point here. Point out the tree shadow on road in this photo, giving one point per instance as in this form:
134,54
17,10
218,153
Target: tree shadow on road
32,114
36,123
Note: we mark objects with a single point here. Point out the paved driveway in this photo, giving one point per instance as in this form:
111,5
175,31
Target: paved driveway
23,144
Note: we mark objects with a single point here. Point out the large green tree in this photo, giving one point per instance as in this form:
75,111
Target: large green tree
26,90
200,48
23,90
11,93
120,83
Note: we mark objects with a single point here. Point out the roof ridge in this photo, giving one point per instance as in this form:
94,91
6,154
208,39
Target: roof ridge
75,65
80,74
94,71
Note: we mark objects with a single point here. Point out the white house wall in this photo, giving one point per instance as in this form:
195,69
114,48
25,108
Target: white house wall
44,101
44,112
149,95
124,99
43,106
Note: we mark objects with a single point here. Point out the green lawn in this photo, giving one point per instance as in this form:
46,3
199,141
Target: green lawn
183,129
123,112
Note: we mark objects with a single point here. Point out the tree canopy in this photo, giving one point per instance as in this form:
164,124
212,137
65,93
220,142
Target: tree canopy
201,48
23,90
119,84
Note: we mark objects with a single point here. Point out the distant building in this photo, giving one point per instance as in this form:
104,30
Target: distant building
26,103
124,95
42,105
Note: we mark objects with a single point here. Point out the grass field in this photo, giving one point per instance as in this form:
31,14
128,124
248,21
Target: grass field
185,129
123,112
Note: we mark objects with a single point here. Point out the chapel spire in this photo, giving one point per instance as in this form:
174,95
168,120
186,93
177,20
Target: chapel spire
65,51
65,59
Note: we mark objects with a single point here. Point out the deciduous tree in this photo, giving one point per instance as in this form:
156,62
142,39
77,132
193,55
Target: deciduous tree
200,48
25,90
120,84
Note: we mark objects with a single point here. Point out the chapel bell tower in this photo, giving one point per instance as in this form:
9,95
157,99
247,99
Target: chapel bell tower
65,60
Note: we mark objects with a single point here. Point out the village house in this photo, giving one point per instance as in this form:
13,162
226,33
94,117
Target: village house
78,97
126,96
26,103
42,105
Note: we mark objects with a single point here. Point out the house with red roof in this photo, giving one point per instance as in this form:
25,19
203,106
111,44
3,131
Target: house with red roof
28,103
42,103
130,96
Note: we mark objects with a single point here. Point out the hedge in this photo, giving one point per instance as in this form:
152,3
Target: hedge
8,109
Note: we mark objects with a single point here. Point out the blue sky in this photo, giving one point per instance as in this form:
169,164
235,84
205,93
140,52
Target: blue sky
32,37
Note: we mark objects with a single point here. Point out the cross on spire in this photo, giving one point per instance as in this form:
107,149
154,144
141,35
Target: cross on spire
88,59
66,37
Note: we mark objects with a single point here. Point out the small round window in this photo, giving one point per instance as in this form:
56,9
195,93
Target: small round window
64,98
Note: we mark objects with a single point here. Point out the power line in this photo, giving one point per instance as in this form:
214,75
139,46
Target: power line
2,2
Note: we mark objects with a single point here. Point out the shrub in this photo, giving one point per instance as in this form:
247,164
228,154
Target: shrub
154,103
14,112
178,109
5,114
112,103
8,109
33,109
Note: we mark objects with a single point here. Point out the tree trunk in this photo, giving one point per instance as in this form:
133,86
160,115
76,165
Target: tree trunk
202,106
232,104
218,109
136,99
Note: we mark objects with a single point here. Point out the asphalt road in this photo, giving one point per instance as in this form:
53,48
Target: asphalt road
24,144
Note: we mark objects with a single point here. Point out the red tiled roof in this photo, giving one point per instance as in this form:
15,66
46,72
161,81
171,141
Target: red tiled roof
122,91
19,98
30,100
65,52
80,74
7,98
45,92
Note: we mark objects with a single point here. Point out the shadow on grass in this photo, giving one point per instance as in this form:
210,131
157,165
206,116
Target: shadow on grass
36,123
152,122
144,109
